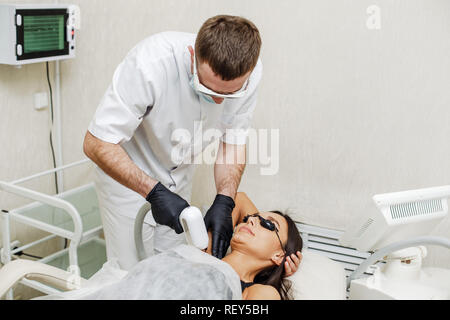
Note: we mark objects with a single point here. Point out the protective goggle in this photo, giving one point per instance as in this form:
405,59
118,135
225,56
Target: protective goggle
267,224
201,88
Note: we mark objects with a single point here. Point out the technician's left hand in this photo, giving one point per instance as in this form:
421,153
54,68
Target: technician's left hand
218,220
292,263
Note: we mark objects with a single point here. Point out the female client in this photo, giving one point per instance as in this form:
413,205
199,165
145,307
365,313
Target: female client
262,247
265,248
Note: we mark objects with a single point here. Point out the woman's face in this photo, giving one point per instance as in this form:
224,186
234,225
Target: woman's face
253,239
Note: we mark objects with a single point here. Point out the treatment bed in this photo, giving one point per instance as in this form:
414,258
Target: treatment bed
321,274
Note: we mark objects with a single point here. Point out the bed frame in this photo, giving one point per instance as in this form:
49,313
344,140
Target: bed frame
60,215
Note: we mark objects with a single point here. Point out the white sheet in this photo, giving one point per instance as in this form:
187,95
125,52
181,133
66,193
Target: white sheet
159,277
318,277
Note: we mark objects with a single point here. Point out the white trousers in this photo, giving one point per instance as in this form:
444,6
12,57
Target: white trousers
118,207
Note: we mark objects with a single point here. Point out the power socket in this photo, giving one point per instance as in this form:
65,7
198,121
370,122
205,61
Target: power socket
40,101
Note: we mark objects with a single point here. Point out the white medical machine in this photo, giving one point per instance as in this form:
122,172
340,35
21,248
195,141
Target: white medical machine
398,232
191,220
32,33
194,227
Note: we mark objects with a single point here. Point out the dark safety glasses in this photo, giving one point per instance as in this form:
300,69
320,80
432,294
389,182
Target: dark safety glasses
267,224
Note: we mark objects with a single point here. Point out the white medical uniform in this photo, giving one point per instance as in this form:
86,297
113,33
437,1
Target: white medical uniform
150,96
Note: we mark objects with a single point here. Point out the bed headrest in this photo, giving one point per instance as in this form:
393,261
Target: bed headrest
318,278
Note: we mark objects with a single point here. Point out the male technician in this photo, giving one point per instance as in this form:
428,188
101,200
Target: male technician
169,89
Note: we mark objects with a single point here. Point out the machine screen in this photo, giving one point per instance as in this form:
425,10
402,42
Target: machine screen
43,33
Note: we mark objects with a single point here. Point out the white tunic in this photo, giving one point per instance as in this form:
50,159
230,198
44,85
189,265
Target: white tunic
150,97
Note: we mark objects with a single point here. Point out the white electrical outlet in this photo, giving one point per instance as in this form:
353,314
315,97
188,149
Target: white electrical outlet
40,100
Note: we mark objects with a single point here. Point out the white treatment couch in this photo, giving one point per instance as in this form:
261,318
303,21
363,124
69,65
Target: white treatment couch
321,275
318,277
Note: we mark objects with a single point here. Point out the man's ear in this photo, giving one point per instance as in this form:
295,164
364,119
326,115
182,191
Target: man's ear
277,258
191,51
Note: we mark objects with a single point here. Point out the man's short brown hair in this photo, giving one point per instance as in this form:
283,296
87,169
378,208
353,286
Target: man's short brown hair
229,44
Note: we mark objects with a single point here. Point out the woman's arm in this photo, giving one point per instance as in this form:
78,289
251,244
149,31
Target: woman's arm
243,206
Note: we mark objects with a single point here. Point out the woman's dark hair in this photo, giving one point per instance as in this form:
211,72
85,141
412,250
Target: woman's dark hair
274,275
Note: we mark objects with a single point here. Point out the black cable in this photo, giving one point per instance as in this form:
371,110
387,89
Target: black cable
21,253
51,140
30,255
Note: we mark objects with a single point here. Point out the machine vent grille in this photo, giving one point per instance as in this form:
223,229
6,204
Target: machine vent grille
410,209
364,227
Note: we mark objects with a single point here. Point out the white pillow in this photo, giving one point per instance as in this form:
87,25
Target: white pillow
318,278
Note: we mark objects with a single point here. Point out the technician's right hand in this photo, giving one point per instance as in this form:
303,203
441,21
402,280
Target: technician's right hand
218,220
166,206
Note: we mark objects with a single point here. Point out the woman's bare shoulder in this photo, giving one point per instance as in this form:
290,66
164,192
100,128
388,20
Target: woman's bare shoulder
261,292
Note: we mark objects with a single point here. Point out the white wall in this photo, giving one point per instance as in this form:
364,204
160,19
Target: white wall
360,111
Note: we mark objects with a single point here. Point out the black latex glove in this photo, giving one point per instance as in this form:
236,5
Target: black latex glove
166,206
218,220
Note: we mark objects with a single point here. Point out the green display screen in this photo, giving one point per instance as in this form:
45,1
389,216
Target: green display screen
43,33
